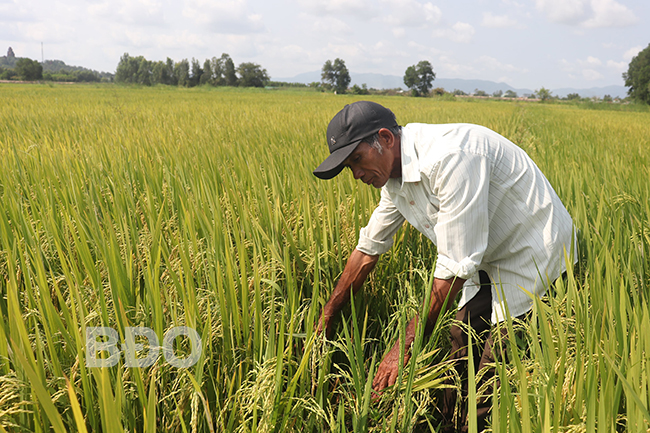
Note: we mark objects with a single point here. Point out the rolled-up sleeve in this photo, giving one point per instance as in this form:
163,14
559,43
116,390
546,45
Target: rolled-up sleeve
377,237
461,181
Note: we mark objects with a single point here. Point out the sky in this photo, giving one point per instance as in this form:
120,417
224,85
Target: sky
524,43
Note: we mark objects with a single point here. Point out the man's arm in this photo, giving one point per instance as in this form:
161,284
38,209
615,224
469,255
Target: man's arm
442,289
355,273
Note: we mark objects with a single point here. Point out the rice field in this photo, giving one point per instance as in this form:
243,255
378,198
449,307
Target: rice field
166,207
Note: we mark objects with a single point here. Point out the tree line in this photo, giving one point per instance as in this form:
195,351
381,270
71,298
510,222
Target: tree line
221,71
217,71
23,68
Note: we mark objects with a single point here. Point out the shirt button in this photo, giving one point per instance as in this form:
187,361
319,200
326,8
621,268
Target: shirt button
427,226
412,202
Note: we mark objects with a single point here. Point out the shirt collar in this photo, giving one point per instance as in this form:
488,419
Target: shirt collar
410,162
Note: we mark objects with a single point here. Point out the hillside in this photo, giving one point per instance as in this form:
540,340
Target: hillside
55,67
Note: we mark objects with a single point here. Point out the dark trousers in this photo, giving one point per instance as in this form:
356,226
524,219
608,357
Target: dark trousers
486,349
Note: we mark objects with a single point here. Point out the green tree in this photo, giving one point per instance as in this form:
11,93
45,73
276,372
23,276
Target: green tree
411,80
478,92
498,94
7,74
195,75
227,67
144,75
169,72
419,78
510,94
127,69
363,90
206,77
159,73
29,69
637,77
543,94
182,73
252,75
217,72
572,96
87,76
335,75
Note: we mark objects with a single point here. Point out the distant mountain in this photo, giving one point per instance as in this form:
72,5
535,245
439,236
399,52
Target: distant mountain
612,91
55,66
470,86
304,78
373,81
380,81
58,66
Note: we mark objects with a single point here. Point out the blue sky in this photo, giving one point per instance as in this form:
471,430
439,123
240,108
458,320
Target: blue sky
524,43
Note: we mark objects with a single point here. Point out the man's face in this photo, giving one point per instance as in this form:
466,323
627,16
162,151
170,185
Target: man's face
372,167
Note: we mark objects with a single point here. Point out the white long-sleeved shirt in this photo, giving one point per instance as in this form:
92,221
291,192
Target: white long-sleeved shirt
484,204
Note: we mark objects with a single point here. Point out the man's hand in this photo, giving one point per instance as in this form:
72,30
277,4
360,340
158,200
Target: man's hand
388,369
442,290
356,270
325,324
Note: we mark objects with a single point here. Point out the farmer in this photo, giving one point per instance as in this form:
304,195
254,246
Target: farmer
498,225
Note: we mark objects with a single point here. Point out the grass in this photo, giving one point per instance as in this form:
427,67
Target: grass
172,207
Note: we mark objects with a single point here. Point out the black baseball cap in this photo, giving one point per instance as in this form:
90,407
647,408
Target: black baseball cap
348,128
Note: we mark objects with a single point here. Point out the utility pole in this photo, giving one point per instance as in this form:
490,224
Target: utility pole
42,57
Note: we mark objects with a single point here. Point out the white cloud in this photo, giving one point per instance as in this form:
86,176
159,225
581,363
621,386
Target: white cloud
512,3
411,13
563,11
459,32
587,13
13,11
493,64
407,15
610,13
422,49
451,67
618,66
287,56
498,21
591,75
632,52
360,8
179,41
589,69
344,51
140,12
135,37
594,61
327,25
579,64
225,17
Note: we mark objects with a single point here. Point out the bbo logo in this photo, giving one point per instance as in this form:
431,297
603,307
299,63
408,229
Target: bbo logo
109,344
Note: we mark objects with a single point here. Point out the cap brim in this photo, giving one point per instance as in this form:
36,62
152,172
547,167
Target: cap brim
333,165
